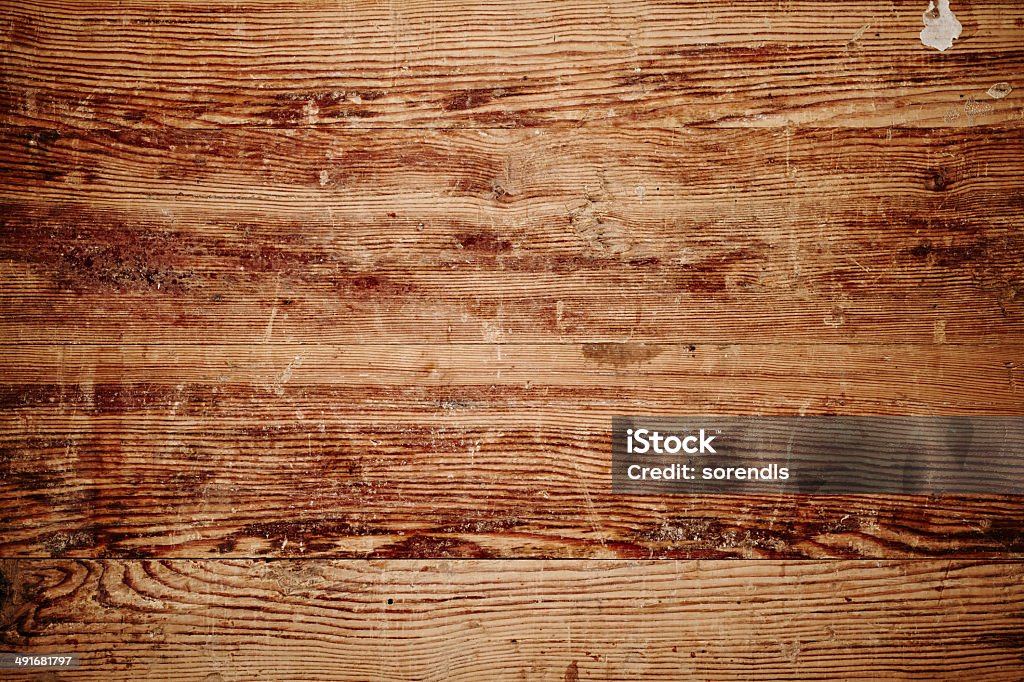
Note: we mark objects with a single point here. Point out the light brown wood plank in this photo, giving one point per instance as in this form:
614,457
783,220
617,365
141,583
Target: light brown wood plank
455,450
513,236
537,620
741,378
506,64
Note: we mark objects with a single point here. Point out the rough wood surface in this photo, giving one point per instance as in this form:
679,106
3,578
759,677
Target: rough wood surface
560,621
455,450
689,236
514,63
366,281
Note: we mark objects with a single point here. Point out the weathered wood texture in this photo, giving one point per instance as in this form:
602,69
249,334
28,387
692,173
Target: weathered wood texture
454,450
535,620
692,236
408,341
310,278
514,63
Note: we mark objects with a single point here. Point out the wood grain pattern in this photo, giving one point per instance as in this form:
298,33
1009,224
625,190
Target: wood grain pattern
512,236
455,450
366,281
510,64
442,620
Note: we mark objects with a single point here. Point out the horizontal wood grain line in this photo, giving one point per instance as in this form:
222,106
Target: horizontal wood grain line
456,64
564,620
517,236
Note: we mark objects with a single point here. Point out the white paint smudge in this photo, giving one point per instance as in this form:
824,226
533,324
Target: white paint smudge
999,90
941,27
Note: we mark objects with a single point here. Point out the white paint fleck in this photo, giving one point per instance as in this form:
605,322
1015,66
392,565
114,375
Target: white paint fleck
641,192
999,90
312,112
324,177
492,333
941,27
834,320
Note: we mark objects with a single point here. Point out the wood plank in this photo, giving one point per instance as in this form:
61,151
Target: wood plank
513,236
455,450
764,378
537,620
515,63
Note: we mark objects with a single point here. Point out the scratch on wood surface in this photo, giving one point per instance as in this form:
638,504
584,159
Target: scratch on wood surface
273,311
286,374
270,325
857,35
591,509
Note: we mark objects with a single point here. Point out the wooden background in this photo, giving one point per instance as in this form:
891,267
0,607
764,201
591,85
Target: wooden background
315,315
